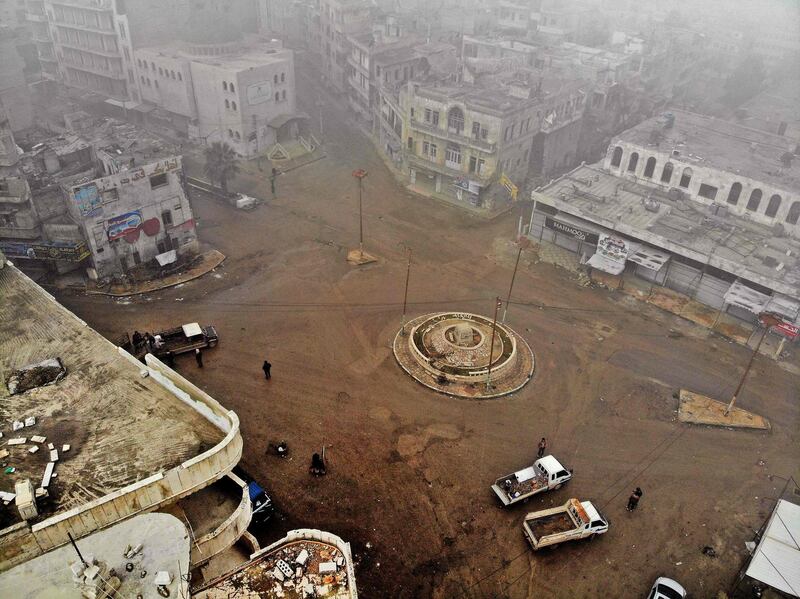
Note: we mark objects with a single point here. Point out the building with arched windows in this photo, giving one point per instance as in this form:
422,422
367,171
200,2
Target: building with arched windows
706,208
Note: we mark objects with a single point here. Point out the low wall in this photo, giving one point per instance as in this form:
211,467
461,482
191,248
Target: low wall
227,533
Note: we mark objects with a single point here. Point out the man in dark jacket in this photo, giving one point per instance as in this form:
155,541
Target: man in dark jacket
266,368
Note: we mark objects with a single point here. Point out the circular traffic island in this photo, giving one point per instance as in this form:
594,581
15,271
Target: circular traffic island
450,352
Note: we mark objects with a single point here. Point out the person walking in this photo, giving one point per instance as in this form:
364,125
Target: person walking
198,356
633,500
266,368
542,447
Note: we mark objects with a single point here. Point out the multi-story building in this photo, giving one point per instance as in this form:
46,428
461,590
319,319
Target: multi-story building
129,217
12,13
40,33
9,154
15,97
242,93
93,40
337,20
460,139
377,58
714,162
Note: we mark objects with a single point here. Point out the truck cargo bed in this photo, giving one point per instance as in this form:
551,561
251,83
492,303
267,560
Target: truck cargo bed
550,525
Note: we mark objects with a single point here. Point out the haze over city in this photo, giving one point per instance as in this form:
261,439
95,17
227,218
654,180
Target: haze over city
339,298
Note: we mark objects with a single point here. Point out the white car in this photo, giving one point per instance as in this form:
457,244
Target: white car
666,588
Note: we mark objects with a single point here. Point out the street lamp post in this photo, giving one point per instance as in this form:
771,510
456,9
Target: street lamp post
497,304
359,174
522,245
769,321
405,293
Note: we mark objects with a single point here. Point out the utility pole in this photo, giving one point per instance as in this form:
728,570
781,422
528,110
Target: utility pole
359,174
75,546
513,276
497,304
769,321
405,293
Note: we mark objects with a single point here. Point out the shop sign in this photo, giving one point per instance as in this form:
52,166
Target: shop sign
119,226
65,251
574,232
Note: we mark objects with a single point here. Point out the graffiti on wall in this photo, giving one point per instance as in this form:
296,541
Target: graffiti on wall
88,200
124,224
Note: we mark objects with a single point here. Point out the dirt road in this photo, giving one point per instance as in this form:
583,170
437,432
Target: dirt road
410,470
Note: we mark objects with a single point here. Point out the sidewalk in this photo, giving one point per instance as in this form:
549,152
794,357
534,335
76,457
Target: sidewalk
204,263
670,301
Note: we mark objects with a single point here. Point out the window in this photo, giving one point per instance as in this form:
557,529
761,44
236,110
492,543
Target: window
153,66
231,87
142,78
755,200
238,136
616,157
158,180
650,167
452,155
283,95
227,103
476,129
139,62
794,214
225,86
230,133
506,133
455,120
473,164
283,77
428,115
410,143
425,147
686,178
433,150
180,77
233,105
160,72
277,96
707,191
275,78
156,82
773,206
166,218
172,74
734,193
633,162
126,52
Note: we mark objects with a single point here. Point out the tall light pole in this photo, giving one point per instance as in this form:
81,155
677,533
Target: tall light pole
769,321
359,174
513,277
497,304
405,293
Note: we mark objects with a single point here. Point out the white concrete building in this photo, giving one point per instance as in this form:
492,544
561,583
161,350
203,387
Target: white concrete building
239,93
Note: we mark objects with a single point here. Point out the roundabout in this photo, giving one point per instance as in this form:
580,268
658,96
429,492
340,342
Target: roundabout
450,352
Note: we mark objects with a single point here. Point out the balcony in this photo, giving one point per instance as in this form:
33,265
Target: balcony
100,51
80,27
480,144
97,5
450,169
111,74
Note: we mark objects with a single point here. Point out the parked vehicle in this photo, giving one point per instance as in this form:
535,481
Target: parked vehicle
545,474
262,503
171,342
569,522
666,588
246,202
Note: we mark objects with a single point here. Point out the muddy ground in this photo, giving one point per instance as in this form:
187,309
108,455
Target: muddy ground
409,469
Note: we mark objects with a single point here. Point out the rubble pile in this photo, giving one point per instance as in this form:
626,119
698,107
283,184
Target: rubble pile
301,570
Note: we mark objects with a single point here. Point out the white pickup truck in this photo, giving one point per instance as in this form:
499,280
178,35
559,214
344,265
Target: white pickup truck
569,522
545,474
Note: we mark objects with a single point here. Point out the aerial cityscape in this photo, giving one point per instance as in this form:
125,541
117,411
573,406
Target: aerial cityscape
399,299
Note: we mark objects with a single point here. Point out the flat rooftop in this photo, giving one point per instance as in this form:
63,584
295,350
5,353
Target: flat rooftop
325,568
121,428
165,546
719,144
732,243
495,99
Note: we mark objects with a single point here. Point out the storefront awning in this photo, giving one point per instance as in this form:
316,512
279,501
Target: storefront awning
280,120
612,252
743,296
649,258
784,306
776,560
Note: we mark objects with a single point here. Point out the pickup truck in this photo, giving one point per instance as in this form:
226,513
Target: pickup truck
569,522
172,342
545,474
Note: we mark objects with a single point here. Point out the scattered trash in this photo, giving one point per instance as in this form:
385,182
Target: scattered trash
47,372
709,551
678,563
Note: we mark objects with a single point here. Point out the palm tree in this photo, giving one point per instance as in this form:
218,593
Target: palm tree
221,163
